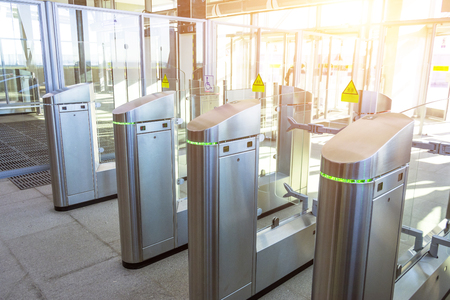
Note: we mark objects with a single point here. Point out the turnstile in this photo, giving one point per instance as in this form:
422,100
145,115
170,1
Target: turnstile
360,206
77,177
228,258
152,222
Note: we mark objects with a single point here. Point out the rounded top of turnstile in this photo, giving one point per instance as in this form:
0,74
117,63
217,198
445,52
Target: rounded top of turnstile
155,106
77,93
369,147
233,120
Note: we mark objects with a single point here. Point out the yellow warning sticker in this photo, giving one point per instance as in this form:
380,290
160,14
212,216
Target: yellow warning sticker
165,82
258,85
350,94
440,68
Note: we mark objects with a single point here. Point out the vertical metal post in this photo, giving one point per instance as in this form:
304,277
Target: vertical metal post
209,49
5,80
298,58
142,48
325,113
258,58
425,78
55,72
284,67
378,66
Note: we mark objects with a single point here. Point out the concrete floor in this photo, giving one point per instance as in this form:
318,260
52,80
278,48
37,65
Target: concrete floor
46,254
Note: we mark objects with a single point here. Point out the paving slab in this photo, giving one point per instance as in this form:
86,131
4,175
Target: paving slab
59,251
102,219
106,280
283,293
172,274
7,187
28,217
18,196
11,273
45,189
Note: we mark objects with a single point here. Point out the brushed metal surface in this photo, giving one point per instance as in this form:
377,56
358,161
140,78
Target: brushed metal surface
72,94
230,121
390,181
76,152
53,141
182,226
155,106
284,249
125,140
153,126
383,245
82,94
236,221
369,147
237,119
81,197
238,146
155,188
202,170
342,239
243,293
428,278
145,176
106,180
158,248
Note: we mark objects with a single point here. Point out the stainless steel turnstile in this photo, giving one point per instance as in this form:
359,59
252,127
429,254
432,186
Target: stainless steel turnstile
360,206
77,178
228,258
151,221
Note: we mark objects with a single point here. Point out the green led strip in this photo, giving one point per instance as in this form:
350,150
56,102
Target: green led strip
201,143
123,123
345,180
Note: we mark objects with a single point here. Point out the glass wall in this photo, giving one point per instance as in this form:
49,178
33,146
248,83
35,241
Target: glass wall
21,54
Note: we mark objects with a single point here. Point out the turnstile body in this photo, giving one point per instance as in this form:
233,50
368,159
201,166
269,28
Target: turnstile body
222,157
360,205
145,141
72,142
228,258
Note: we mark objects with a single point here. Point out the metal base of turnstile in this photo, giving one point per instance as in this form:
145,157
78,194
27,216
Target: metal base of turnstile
154,259
428,277
284,249
85,203
182,240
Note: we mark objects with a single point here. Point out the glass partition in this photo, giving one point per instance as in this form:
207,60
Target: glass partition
22,78
103,48
284,156
428,186
236,56
23,142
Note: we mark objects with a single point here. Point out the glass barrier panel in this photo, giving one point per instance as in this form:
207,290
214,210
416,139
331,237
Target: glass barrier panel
102,48
22,77
428,185
236,56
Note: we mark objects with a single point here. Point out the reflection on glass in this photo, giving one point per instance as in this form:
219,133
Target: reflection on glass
102,48
284,154
21,70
